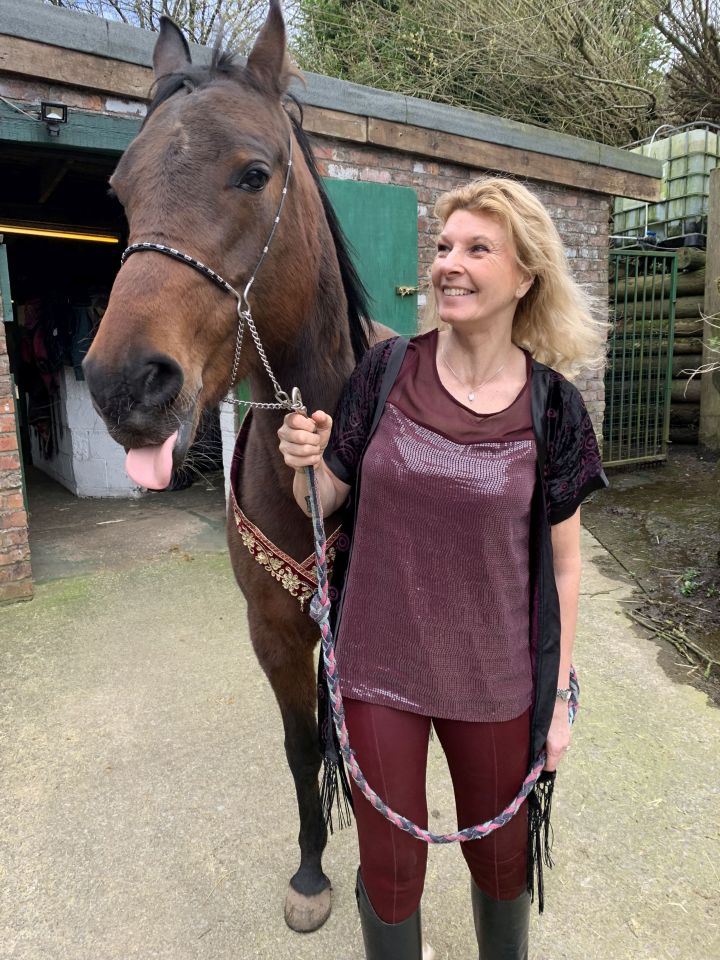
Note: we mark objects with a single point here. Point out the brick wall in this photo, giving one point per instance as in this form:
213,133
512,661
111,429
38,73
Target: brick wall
15,574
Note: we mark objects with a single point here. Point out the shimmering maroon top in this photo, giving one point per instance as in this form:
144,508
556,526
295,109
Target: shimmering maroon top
435,617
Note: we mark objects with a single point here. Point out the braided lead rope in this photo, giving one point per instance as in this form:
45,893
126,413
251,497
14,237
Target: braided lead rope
320,613
244,312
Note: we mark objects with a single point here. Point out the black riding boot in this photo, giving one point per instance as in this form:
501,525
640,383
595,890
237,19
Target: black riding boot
387,941
501,925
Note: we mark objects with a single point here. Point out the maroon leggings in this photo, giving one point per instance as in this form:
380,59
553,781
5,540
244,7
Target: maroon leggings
487,761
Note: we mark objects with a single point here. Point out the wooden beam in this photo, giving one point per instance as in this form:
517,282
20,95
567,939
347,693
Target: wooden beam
57,65
85,129
524,163
709,435
335,123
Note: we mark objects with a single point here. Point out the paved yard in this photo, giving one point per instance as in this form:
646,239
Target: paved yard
146,811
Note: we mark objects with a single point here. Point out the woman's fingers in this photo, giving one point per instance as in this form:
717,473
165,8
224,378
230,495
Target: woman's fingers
322,421
303,439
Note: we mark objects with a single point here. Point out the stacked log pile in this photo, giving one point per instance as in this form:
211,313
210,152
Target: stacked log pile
687,351
653,291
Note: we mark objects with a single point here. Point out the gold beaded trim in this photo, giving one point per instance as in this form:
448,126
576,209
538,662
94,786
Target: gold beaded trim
299,579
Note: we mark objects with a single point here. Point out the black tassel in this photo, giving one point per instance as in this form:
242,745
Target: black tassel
540,836
334,786
335,793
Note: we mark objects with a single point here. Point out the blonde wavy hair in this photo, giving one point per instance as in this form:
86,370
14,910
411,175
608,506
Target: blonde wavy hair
555,319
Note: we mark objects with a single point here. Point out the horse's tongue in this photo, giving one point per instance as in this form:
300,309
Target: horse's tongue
152,466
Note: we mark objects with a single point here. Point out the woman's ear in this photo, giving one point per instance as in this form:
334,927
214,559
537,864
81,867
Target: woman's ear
524,286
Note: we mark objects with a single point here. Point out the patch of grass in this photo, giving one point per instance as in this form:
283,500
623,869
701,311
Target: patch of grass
689,582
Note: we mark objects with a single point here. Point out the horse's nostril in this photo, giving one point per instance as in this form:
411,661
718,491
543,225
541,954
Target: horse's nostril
158,380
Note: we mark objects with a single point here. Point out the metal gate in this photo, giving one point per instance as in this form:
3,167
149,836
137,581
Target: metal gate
640,346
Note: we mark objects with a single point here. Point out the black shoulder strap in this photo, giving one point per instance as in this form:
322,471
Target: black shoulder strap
397,355
540,387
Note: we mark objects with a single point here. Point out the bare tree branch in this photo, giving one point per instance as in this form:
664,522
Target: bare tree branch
559,63
199,19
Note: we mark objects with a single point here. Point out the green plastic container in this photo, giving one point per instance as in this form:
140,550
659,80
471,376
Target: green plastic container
688,155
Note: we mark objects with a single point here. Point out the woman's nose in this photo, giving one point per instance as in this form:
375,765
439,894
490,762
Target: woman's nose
450,263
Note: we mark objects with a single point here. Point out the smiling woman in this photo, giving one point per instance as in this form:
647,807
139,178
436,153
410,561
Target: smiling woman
553,318
465,458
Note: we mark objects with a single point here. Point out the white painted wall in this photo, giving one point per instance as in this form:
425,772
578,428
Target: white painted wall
88,462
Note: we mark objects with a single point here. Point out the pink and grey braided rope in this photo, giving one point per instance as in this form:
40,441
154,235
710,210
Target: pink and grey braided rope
320,613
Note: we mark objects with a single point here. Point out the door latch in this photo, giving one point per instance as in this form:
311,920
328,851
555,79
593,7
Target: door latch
406,291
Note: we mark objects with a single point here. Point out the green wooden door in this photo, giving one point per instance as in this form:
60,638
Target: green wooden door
6,315
380,221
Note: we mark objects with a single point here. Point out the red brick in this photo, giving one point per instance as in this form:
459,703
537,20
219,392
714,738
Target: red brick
12,519
10,479
14,555
10,462
375,175
11,501
15,571
8,441
15,538
23,590
7,422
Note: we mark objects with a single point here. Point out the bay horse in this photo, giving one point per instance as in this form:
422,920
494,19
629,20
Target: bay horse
206,176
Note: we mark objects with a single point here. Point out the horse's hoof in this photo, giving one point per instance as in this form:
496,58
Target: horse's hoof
305,914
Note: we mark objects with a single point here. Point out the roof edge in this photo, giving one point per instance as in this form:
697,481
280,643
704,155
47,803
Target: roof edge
68,29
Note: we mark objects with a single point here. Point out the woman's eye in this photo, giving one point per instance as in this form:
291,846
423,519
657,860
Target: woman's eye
478,248
254,180
442,248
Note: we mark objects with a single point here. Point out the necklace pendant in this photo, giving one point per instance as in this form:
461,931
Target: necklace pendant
471,397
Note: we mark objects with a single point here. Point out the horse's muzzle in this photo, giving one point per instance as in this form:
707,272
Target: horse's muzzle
137,400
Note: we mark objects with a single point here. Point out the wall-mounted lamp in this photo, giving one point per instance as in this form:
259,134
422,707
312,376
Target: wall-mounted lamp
53,114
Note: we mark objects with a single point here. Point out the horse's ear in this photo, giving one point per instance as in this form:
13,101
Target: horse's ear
171,53
268,64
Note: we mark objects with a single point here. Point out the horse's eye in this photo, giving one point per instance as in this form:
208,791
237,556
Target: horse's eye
255,179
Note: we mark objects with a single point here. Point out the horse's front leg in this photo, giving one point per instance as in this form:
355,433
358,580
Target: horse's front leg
307,905
290,670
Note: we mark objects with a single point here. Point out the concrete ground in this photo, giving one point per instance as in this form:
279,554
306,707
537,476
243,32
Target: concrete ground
146,810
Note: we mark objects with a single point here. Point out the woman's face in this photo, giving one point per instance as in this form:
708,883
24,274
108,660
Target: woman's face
477,279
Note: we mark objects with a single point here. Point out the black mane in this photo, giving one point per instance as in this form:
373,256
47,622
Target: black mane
224,65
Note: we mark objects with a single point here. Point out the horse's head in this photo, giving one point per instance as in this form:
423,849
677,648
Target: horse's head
205,175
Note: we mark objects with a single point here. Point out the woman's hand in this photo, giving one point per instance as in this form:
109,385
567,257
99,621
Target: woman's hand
303,439
559,736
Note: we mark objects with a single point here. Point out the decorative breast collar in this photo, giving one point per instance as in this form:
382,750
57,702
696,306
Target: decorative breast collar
299,579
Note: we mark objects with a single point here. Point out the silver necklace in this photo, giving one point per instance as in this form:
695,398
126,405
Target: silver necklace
473,390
